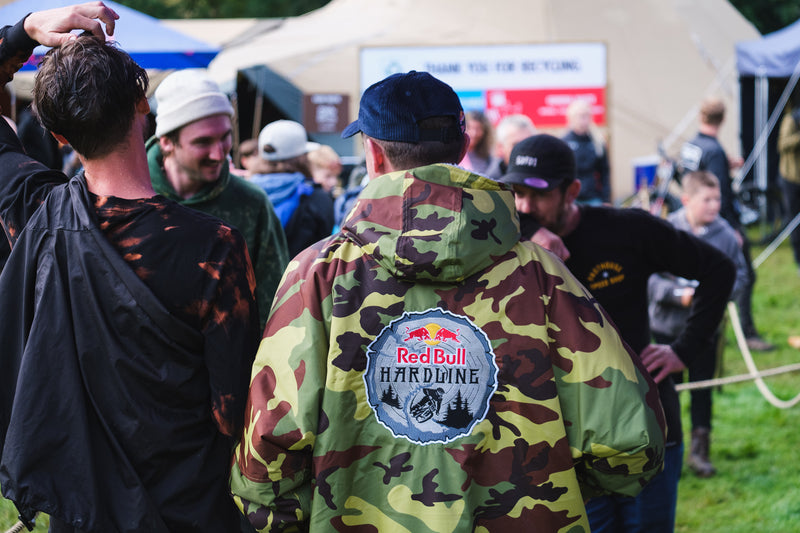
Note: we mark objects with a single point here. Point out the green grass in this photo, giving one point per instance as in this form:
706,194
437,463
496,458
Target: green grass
754,445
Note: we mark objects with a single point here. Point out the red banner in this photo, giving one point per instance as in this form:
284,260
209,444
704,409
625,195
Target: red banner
546,107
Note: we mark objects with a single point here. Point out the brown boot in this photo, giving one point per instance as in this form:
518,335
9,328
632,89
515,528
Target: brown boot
698,460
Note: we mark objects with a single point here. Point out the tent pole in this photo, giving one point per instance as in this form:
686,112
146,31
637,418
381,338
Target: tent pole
760,175
257,112
761,141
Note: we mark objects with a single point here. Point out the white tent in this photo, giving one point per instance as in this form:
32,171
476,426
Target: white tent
664,56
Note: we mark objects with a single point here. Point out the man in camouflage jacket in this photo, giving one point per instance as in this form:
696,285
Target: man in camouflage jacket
423,370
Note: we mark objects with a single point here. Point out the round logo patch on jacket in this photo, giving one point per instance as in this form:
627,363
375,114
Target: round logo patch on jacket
430,376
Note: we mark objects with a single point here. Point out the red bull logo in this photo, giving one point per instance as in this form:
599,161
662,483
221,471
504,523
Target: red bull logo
437,356
432,334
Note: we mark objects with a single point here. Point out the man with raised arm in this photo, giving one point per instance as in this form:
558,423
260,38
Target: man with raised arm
128,322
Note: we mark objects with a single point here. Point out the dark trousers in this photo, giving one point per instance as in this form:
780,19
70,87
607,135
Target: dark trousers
701,367
791,199
744,301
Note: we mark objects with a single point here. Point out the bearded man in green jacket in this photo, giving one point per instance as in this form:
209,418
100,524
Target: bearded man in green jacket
188,159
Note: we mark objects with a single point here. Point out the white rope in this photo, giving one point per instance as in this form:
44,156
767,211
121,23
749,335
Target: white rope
777,241
751,366
727,380
16,528
761,140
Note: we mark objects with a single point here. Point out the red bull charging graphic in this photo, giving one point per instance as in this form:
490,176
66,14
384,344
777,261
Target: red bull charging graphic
430,376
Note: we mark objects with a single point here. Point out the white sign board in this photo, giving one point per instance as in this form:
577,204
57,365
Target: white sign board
538,80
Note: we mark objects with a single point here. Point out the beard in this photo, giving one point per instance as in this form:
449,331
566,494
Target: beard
530,224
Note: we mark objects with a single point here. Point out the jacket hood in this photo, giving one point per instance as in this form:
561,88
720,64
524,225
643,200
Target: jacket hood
279,186
437,223
155,160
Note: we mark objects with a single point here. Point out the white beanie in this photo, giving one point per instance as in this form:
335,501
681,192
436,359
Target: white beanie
285,139
185,96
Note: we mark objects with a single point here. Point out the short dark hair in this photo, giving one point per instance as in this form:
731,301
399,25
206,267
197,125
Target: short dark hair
87,91
410,155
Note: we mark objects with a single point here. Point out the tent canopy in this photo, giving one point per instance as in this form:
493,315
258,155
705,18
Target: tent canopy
151,44
663,57
768,72
774,56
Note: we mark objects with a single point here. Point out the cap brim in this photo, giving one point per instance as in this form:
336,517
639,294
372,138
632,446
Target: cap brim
540,184
351,129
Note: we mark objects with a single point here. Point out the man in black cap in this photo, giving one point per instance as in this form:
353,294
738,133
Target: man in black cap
613,252
447,375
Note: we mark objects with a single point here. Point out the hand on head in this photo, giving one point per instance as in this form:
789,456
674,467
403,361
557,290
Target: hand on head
53,26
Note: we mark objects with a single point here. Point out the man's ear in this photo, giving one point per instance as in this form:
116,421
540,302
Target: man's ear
573,190
377,164
143,106
166,145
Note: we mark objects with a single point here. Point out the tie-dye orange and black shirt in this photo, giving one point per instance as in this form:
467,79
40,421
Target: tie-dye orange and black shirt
205,280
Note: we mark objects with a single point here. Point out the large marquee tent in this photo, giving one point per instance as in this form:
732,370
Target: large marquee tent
663,56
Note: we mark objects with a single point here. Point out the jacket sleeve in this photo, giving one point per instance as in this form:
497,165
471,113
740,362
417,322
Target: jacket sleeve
619,447
788,136
231,333
682,254
661,290
15,48
24,182
742,273
269,260
271,471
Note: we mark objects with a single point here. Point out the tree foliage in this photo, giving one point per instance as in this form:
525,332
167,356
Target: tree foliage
768,15
177,9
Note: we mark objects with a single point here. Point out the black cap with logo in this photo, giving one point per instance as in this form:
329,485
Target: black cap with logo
541,162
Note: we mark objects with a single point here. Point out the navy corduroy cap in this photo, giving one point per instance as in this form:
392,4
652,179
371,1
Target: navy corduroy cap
391,109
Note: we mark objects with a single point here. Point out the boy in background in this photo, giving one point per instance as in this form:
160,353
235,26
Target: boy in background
325,166
671,299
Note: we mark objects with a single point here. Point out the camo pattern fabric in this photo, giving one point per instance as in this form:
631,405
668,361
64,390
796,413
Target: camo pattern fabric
424,371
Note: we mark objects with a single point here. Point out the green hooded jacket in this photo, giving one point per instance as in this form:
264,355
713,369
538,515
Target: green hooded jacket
243,205
424,371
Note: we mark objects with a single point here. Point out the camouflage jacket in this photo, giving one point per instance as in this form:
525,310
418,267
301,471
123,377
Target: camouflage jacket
424,371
